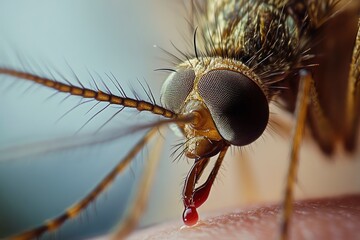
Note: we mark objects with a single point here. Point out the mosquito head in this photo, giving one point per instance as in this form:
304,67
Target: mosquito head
228,104
203,139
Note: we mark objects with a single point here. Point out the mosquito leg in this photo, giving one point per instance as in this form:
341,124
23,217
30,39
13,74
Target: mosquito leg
77,208
131,219
353,96
300,115
321,127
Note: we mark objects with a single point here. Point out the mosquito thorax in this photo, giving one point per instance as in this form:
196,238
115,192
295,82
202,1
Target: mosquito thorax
228,101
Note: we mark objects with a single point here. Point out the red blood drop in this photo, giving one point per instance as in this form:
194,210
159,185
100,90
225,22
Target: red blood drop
190,216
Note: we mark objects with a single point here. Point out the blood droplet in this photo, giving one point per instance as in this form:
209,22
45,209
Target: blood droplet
190,216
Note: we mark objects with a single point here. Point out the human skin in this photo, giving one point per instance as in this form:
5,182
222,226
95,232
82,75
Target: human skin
327,218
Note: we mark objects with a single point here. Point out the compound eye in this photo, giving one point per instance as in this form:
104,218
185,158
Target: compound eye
239,107
176,88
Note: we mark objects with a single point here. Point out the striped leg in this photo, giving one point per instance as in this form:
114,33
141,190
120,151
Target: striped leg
77,208
353,96
136,210
300,115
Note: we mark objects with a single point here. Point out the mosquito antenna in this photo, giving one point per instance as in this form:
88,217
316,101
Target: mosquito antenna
106,87
73,108
92,107
122,91
74,74
64,99
116,86
98,95
107,121
51,96
92,117
146,92
150,92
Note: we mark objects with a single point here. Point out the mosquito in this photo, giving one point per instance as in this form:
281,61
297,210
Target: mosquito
247,54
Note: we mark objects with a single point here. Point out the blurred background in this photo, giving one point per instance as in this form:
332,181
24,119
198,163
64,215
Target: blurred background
119,37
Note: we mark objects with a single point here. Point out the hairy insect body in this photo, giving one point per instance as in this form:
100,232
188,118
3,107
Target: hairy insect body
303,52
252,53
275,39
257,39
262,35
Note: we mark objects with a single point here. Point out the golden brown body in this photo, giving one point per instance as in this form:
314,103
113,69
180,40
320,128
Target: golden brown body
277,38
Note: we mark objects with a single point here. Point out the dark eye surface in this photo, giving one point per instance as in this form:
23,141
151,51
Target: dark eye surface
237,104
176,88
